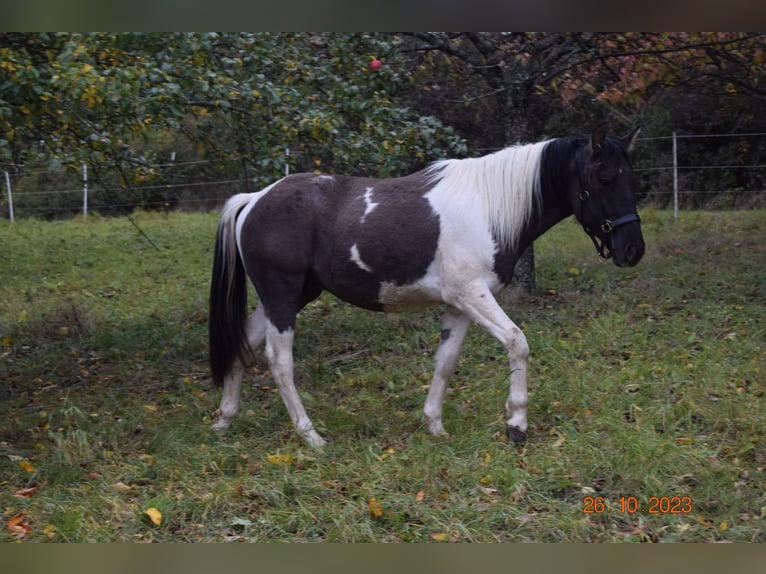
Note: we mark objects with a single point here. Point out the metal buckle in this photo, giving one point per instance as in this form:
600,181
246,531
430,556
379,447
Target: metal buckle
607,226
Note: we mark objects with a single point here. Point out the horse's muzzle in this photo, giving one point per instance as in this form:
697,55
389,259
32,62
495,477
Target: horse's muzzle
627,245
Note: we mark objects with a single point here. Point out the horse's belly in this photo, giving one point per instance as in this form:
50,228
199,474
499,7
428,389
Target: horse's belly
407,297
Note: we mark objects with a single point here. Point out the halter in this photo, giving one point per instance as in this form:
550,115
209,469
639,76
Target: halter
607,225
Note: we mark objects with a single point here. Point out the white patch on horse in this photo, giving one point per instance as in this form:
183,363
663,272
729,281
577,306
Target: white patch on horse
321,178
506,186
425,292
240,205
356,258
369,204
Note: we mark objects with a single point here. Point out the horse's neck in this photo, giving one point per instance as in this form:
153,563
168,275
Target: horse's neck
555,208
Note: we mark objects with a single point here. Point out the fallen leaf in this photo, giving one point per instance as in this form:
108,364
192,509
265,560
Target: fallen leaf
279,459
27,466
50,531
119,486
241,522
25,492
93,475
375,508
15,520
483,490
439,536
18,526
517,494
154,515
684,440
420,496
151,408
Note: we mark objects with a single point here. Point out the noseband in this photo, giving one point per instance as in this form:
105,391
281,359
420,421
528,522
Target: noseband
606,225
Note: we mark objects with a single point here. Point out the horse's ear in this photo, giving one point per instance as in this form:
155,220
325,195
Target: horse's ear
630,139
597,139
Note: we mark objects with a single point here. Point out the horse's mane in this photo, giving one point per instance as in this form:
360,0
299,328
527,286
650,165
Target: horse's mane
506,185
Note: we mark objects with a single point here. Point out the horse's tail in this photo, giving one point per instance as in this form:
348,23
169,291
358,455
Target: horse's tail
228,295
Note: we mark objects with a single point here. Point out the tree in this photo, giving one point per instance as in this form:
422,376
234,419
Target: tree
97,98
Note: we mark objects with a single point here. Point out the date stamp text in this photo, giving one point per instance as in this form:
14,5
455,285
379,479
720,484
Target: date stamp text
633,505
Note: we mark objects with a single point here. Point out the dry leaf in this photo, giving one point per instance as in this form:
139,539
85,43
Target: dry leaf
25,492
279,459
684,440
375,508
119,486
439,536
483,490
27,466
17,526
154,515
420,496
151,408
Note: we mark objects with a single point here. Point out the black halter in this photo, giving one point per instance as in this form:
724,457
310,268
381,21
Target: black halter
607,225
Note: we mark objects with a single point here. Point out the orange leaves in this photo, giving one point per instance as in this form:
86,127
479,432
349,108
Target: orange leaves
375,508
25,492
18,526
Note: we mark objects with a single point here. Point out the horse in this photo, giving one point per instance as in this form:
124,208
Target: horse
449,234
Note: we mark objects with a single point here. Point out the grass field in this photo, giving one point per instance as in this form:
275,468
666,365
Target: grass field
646,387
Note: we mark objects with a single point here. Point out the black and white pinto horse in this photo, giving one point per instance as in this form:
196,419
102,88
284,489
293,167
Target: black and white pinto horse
450,234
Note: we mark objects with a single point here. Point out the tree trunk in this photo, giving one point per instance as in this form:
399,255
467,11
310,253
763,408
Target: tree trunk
523,282
513,103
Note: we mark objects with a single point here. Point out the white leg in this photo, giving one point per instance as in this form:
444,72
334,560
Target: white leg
229,406
279,352
479,304
454,328
256,333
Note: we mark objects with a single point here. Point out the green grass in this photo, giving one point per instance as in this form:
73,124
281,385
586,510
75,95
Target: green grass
643,382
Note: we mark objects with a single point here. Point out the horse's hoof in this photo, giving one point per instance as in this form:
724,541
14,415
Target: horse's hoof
517,435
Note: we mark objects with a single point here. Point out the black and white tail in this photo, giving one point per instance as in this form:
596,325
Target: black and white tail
228,296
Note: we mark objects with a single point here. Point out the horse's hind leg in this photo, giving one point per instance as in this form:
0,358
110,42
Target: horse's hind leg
256,334
454,328
279,352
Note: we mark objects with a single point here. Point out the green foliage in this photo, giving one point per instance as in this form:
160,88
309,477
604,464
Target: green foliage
97,98
643,382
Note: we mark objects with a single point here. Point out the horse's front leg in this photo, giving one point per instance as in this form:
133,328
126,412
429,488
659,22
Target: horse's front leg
480,305
454,328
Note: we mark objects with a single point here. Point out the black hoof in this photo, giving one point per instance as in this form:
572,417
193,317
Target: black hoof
516,435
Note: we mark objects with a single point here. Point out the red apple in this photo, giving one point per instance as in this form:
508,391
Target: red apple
375,64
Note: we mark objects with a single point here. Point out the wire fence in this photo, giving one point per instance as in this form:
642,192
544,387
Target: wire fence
679,170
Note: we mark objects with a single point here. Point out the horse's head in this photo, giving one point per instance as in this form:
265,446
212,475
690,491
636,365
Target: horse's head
605,203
